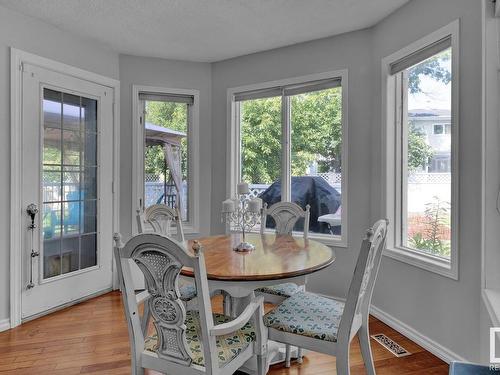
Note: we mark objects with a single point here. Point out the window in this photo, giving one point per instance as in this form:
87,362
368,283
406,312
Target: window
422,182
438,129
294,132
165,151
442,128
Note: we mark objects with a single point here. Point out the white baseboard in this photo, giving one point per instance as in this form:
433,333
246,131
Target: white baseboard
4,324
430,345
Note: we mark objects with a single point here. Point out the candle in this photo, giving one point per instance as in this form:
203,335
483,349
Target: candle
228,205
255,205
242,188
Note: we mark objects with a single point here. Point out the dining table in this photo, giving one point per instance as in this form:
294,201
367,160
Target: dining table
276,259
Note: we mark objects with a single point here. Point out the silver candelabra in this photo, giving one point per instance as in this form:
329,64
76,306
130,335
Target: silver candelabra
244,213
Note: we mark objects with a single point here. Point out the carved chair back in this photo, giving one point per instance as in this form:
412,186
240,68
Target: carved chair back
357,306
161,259
162,219
285,215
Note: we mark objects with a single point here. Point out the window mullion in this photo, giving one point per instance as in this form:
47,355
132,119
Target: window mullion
398,166
286,152
404,157
238,160
141,161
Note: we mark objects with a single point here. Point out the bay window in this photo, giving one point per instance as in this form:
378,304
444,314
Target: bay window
288,143
421,145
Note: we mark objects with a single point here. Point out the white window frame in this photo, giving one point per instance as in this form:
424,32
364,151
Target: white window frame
191,227
391,112
233,160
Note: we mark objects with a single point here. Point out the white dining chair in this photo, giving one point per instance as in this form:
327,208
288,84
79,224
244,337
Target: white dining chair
285,216
327,325
185,341
162,219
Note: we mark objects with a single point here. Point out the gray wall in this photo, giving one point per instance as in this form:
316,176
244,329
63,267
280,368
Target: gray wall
30,35
171,74
352,51
444,310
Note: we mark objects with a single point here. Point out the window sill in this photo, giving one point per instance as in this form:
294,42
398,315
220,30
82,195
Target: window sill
328,240
491,298
430,263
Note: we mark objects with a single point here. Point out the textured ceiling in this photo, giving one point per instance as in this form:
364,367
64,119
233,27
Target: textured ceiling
204,30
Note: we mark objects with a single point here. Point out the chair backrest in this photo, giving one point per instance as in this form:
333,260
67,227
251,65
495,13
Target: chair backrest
363,281
161,218
285,215
161,259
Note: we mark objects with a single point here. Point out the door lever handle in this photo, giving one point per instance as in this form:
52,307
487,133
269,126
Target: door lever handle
32,210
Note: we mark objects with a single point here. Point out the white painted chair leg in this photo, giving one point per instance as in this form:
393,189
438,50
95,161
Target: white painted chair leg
300,355
145,319
288,355
262,365
366,351
343,361
226,300
136,369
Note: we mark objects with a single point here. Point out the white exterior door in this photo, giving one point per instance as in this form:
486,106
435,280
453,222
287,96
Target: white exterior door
67,174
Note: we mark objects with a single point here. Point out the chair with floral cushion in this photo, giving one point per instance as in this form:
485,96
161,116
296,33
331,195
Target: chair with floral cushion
160,218
326,325
184,341
285,216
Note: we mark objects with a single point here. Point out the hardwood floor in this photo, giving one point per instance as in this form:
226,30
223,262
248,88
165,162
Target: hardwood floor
92,338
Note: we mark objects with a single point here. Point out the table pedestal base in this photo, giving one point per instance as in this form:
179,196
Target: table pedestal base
276,354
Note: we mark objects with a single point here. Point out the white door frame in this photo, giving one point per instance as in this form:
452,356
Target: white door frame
17,59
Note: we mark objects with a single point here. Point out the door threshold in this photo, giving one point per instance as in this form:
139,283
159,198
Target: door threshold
65,305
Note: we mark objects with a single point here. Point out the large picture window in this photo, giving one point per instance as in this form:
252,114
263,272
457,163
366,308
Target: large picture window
422,155
290,139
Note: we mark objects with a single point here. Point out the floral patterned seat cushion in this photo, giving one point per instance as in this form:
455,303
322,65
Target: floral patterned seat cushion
228,346
283,290
307,314
188,291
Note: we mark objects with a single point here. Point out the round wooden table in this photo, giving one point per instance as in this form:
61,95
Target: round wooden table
276,259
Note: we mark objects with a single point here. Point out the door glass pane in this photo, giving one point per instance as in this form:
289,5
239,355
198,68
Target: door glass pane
166,159
69,180
89,183
260,132
316,126
52,189
71,112
427,160
88,251
72,145
52,146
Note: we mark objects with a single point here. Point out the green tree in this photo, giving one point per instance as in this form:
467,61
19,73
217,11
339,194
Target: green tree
433,68
419,152
316,135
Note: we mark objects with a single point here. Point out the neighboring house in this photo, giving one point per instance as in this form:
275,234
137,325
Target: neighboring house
436,126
